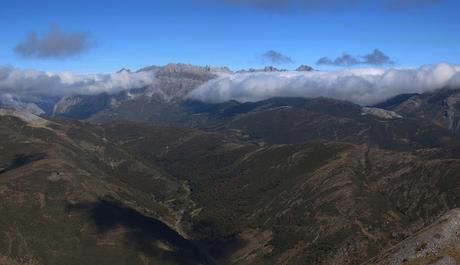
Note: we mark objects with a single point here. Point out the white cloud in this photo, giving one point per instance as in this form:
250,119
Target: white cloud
363,86
30,83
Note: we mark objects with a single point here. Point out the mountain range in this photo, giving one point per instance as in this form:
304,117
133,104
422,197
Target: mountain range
151,176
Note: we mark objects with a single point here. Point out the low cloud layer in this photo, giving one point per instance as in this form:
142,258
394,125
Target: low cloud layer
275,57
376,57
32,83
364,86
54,44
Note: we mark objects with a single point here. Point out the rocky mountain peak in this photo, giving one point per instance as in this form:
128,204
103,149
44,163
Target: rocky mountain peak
124,70
268,68
184,68
304,68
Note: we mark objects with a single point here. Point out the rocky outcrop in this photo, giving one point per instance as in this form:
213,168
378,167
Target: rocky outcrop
171,85
124,70
266,69
184,68
23,115
304,68
381,113
13,102
438,244
441,107
65,104
301,68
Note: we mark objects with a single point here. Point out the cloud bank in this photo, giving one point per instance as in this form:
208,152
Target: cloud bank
376,57
364,86
33,83
54,44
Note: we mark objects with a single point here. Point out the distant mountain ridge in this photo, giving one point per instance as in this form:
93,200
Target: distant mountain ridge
442,107
397,123
171,86
173,82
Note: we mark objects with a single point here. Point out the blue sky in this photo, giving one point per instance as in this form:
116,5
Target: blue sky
134,34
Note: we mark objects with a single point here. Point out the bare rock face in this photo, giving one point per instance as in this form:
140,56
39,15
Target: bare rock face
441,107
65,104
174,81
266,69
172,84
304,68
438,244
12,102
23,115
381,113
184,68
80,106
124,70
301,68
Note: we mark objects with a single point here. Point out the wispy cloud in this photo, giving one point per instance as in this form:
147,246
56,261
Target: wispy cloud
376,57
54,44
363,86
344,60
276,57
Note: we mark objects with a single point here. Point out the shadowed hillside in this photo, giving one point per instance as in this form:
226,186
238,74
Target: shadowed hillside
137,193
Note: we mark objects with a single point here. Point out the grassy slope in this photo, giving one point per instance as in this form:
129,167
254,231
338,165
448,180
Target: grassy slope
74,193
70,197
314,202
